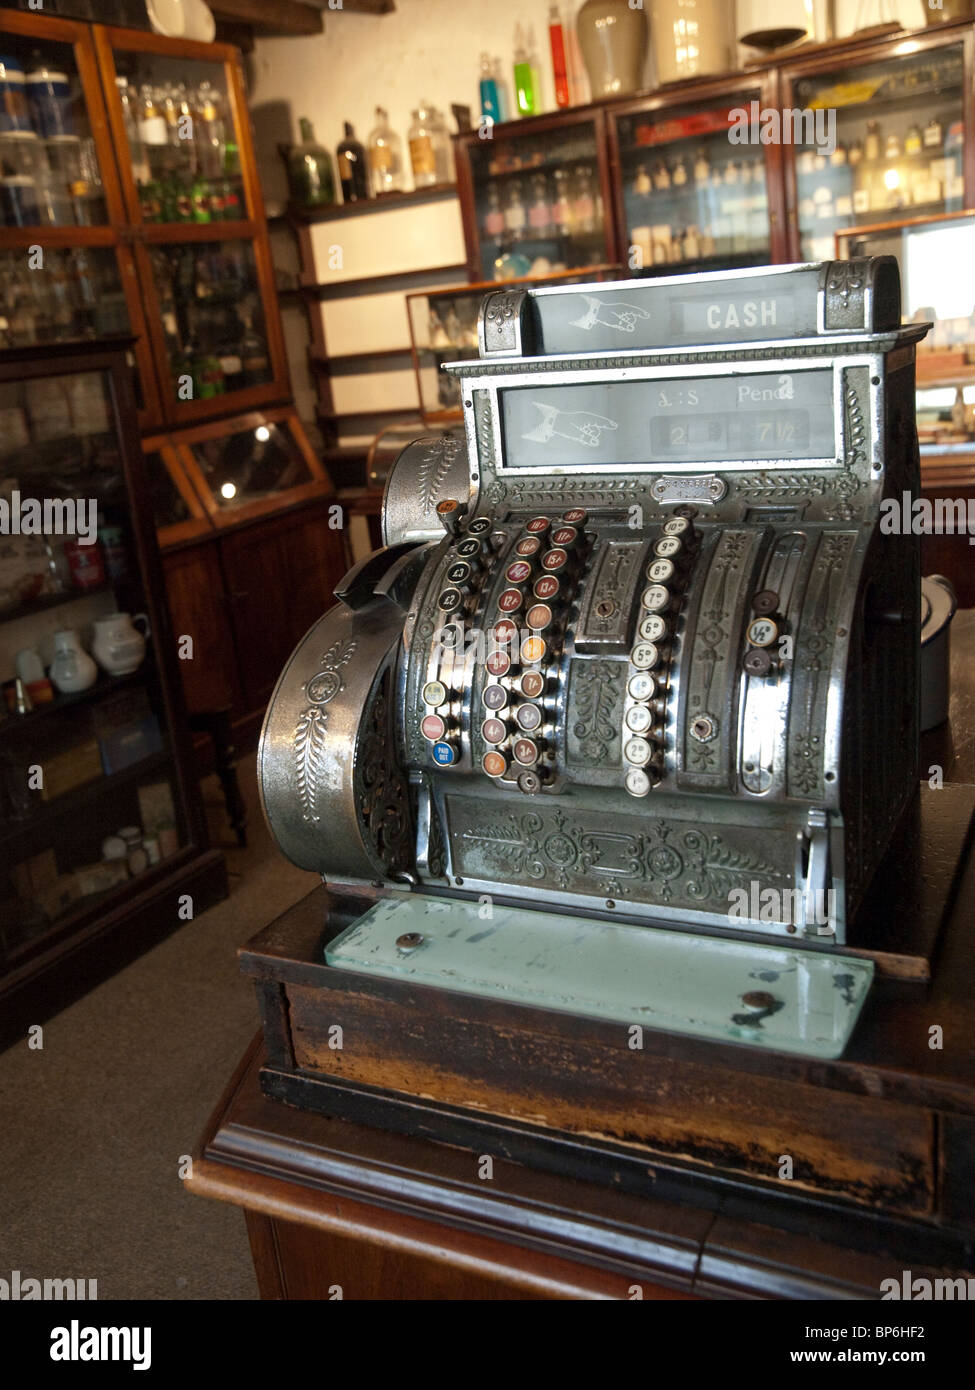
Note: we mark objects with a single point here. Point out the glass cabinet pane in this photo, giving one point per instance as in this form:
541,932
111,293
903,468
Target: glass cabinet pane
182,143
49,170
899,139
251,464
692,198
212,317
538,202
168,504
75,293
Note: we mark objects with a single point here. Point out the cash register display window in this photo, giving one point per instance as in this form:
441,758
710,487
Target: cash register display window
767,418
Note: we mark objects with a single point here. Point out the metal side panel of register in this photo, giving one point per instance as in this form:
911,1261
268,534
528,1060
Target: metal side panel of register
645,652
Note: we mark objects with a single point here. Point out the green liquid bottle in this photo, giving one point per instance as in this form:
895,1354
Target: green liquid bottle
526,76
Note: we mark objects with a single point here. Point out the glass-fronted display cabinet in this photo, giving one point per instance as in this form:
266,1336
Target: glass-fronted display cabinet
889,144
66,270
934,255
535,197
693,188
443,328
176,507
97,804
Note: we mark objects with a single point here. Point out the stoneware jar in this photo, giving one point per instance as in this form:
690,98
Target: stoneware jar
72,669
614,39
119,646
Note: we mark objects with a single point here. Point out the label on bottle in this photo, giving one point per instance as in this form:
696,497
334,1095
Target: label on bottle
154,131
422,156
345,168
231,366
381,159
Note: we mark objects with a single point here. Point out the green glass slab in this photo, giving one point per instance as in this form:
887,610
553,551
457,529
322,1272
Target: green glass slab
768,996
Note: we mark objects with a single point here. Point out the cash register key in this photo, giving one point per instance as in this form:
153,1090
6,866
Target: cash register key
762,632
661,571
499,540
554,560
519,572
532,684
641,686
450,512
538,525
575,516
504,633
766,601
498,663
678,526
510,600
479,526
546,587
449,636
495,764
445,754
645,656
656,598
494,697
637,782
526,751
539,617
565,536
637,751
529,782
533,650
494,730
528,546
450,600
434,694
470,548
529,718
653,628
460,574
639,718
432,727
757,662
667,547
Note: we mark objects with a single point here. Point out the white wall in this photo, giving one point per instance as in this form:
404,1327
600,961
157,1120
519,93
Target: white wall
425,49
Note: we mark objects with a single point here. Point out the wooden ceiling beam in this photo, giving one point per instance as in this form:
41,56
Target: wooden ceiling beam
281,17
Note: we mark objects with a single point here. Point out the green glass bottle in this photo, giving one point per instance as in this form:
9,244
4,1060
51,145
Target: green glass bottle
310,171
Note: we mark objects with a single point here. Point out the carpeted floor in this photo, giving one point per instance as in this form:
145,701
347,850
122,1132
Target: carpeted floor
95,1124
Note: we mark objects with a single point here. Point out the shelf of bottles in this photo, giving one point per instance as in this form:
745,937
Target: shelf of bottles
692,199
212,318
185,159
90,714
49,170
538,202
899,138
76,293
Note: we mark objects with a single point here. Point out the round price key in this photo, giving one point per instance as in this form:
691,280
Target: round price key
495,764
528,546
539,617
575,516
468,548
504,633
445,754
519,572
656,598
567,536
556,559
479,526
529,718
510,600
668,546
434,693
494,697
494,730
653,628
498,663
450,600
532,684
525,751
533,650
660,571
538,525
546,587
433,727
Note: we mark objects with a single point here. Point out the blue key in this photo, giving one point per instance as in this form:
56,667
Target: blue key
444,754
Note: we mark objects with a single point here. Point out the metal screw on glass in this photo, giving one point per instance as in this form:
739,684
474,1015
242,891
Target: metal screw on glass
757,1000
409,941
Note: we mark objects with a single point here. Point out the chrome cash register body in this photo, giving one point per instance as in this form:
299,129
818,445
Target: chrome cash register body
640,652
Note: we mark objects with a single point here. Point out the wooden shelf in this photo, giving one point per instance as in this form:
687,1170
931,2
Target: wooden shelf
387,202
105,685
46,601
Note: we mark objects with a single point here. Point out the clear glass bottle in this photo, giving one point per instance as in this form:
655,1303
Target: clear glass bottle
310,170
871,143
562,204
540,212
584,201
641,184
515,215
385,156
429,147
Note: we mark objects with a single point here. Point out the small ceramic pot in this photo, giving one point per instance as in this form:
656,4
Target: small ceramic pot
119,646
72,669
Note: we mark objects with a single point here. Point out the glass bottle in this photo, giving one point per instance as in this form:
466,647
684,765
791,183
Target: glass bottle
933,134
526,76
702,166
913,141
560,71
561,204
515,216
490,95
385,156
253,352
152,122
310,171
210,131
661,176
871,144
353,168
584,201
493,217
130,118
429,148
680,172
642,184
540,214
892,147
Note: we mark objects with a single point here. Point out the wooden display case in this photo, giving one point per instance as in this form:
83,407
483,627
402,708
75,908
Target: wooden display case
112,744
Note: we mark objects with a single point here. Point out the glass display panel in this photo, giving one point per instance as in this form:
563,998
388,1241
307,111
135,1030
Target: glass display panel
168,505
692,198
538,203
899,140
76,293
182,143
251,464
212,317
706,420
49,170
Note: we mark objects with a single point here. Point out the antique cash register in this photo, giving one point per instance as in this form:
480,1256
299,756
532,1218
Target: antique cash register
622,719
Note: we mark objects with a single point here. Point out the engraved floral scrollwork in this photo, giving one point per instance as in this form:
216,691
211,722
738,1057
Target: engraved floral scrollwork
597,698
308,741
715,869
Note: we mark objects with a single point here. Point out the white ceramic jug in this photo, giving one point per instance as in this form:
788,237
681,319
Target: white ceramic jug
72,669
119,646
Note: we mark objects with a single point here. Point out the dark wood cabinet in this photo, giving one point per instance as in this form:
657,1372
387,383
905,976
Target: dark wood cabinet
246,597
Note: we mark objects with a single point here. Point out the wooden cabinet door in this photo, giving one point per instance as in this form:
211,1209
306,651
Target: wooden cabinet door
198,604
280,579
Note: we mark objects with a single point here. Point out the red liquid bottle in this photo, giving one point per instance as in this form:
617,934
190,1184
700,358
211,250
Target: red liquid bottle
557,36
